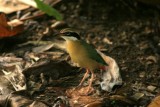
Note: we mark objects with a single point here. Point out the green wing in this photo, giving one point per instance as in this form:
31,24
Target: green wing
93,53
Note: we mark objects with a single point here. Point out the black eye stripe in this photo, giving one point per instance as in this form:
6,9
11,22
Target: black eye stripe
68,33
74,34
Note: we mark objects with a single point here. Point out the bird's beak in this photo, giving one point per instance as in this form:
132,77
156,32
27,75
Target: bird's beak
62,35
59,34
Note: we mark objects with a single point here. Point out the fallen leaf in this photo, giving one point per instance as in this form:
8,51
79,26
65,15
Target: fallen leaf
29,2
3,21
95,104
79,99
151,58
155,102
151,88
16,78
76,92
86,101
10,6
111,77
137,96
11,28
19,99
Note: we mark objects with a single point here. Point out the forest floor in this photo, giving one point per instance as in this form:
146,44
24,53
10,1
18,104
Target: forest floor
126,31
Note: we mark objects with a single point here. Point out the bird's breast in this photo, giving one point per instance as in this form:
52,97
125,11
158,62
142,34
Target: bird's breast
79,55
76,50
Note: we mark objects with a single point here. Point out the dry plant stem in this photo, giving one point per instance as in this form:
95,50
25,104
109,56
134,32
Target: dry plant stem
84,77
39,15
35,43
55,2
33,17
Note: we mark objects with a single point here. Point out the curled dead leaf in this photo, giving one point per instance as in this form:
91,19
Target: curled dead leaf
78,99
74,92
17,99
151,59
111,77
155,102
11,28
86,101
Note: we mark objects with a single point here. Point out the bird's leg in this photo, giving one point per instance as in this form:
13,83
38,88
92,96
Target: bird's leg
91,80
84,77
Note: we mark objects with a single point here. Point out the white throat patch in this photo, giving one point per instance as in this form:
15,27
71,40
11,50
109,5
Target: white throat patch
69,38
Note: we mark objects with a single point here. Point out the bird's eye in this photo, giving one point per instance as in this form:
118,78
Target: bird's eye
68,33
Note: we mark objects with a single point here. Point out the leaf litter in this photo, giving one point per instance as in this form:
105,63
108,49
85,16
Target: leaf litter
132,45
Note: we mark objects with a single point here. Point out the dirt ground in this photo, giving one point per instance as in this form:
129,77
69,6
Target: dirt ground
132,29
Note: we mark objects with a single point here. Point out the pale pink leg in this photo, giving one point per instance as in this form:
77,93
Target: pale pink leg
84,77
91,80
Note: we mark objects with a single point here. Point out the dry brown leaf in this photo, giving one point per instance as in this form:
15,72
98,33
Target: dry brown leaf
11,28
4,20
78,99
29,2
75,92
10,6
19,99
86,101
155,102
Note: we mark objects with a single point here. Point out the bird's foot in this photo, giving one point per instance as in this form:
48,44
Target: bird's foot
84,77
80,85
89,91
83,91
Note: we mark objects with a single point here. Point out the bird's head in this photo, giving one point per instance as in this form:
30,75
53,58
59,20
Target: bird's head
69,35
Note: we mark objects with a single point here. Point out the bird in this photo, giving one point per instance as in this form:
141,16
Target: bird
82,54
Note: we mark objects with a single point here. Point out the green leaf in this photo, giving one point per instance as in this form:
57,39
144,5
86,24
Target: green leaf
48,9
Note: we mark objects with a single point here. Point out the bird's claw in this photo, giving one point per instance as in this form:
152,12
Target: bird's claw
89,91
79,86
